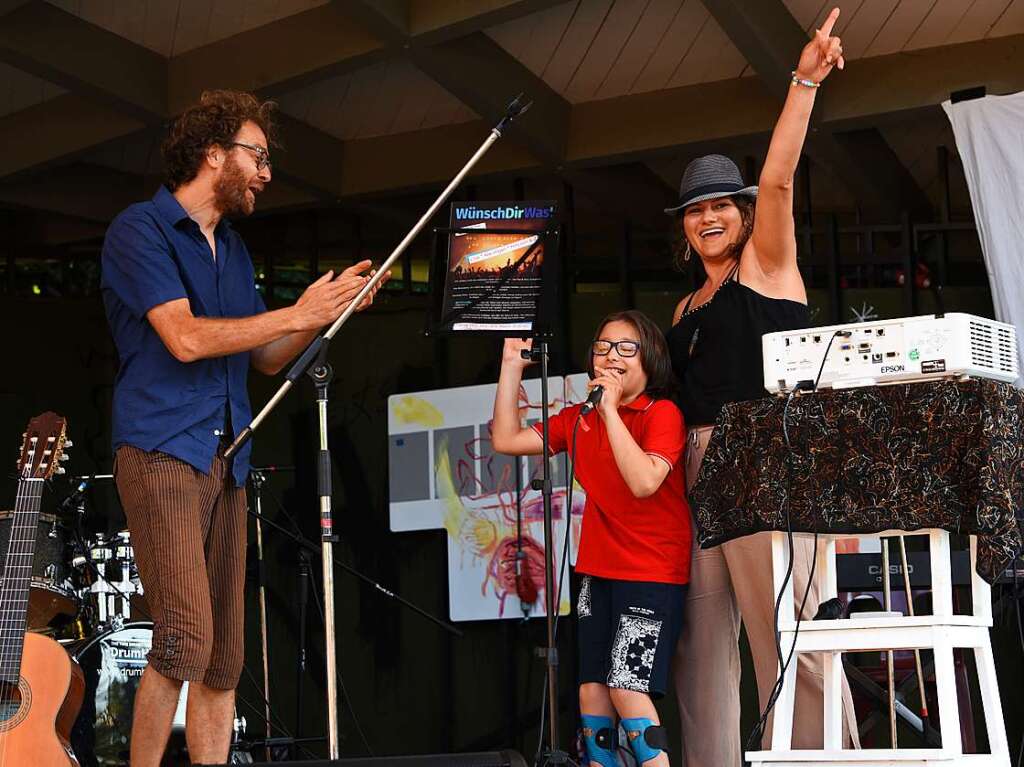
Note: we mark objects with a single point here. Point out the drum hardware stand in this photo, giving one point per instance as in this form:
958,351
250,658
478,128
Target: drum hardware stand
321,373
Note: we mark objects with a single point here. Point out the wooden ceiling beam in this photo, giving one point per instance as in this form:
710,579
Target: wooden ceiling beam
122,87
446,43
275,58
868,93
612,131
85,59
58,130
770,38
90,192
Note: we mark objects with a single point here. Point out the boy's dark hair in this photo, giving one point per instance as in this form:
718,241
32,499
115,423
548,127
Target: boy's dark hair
216,119
654,356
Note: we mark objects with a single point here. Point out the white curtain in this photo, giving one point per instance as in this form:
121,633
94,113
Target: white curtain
990,137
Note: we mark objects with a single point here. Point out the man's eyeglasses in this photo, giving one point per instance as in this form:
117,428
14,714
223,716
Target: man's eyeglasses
624,348
262,155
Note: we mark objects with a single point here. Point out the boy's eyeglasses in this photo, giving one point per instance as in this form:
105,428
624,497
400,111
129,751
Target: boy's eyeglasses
625,348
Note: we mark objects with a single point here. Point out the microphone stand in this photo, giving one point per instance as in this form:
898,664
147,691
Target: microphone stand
553,755
322,374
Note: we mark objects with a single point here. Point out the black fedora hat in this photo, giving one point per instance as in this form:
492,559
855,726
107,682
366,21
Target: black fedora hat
708,178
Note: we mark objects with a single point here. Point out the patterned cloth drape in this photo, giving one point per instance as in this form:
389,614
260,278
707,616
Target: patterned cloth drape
946,454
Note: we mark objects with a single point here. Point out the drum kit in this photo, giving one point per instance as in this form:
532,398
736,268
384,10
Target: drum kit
86,593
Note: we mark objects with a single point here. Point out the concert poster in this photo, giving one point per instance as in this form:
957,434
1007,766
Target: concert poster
498,262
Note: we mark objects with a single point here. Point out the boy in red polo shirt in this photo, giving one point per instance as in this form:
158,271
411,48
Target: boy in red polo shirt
635,543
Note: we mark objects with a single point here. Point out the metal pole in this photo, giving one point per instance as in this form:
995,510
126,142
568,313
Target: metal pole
257,486
550,587
515,109
322,375
887,593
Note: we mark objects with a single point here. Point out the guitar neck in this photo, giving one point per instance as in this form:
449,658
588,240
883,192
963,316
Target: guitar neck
17,577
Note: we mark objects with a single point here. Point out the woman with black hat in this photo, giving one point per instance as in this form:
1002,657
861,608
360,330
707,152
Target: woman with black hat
745,239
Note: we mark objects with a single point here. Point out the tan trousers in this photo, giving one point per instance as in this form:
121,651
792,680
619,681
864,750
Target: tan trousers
728,582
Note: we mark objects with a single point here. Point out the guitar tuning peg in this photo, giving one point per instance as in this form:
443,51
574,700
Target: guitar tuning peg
61,470
68,443
64,457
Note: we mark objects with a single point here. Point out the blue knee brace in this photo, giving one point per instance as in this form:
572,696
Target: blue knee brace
646,739
602,739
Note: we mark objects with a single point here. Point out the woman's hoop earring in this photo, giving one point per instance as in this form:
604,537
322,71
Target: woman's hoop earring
687,252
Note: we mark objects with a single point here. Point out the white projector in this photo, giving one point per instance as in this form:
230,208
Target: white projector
890,351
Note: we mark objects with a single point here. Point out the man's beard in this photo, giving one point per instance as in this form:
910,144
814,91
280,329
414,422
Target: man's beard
230,191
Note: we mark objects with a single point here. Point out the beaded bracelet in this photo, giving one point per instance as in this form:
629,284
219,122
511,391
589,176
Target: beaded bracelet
806,83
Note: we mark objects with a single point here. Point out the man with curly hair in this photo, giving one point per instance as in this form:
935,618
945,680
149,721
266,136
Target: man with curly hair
181,300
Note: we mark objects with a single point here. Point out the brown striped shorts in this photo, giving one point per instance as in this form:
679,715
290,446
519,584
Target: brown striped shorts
189,533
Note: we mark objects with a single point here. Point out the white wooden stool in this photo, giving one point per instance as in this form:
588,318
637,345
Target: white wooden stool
939,632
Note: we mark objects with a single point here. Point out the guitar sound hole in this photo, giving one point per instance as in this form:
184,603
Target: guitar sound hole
10,701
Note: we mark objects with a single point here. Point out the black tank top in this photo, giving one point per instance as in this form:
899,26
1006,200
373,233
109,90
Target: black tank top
716,348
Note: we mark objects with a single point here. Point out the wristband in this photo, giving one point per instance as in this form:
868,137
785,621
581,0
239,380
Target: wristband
801,81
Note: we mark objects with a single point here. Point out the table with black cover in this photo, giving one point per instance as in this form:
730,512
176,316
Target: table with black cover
942,454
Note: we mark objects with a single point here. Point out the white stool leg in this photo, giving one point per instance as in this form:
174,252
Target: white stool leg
832,662
833,684
782,723
826,568
989,687
981,592
945,689
942,579
780,563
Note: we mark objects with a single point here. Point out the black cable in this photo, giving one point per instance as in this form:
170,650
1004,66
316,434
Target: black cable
570,480
1017,596
817,378
283,510
757,733
320,609
571,460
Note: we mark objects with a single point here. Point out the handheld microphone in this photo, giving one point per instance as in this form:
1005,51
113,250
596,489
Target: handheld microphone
592,400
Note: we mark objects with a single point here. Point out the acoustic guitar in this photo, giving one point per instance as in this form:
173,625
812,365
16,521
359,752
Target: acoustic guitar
41,688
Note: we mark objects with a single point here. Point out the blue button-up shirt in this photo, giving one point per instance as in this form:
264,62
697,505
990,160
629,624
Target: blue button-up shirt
154,253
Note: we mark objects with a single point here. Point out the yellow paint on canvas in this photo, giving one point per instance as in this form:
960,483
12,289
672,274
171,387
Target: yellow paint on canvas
413,410
455,512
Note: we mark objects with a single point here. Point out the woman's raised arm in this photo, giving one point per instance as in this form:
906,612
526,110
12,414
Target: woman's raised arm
774,236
